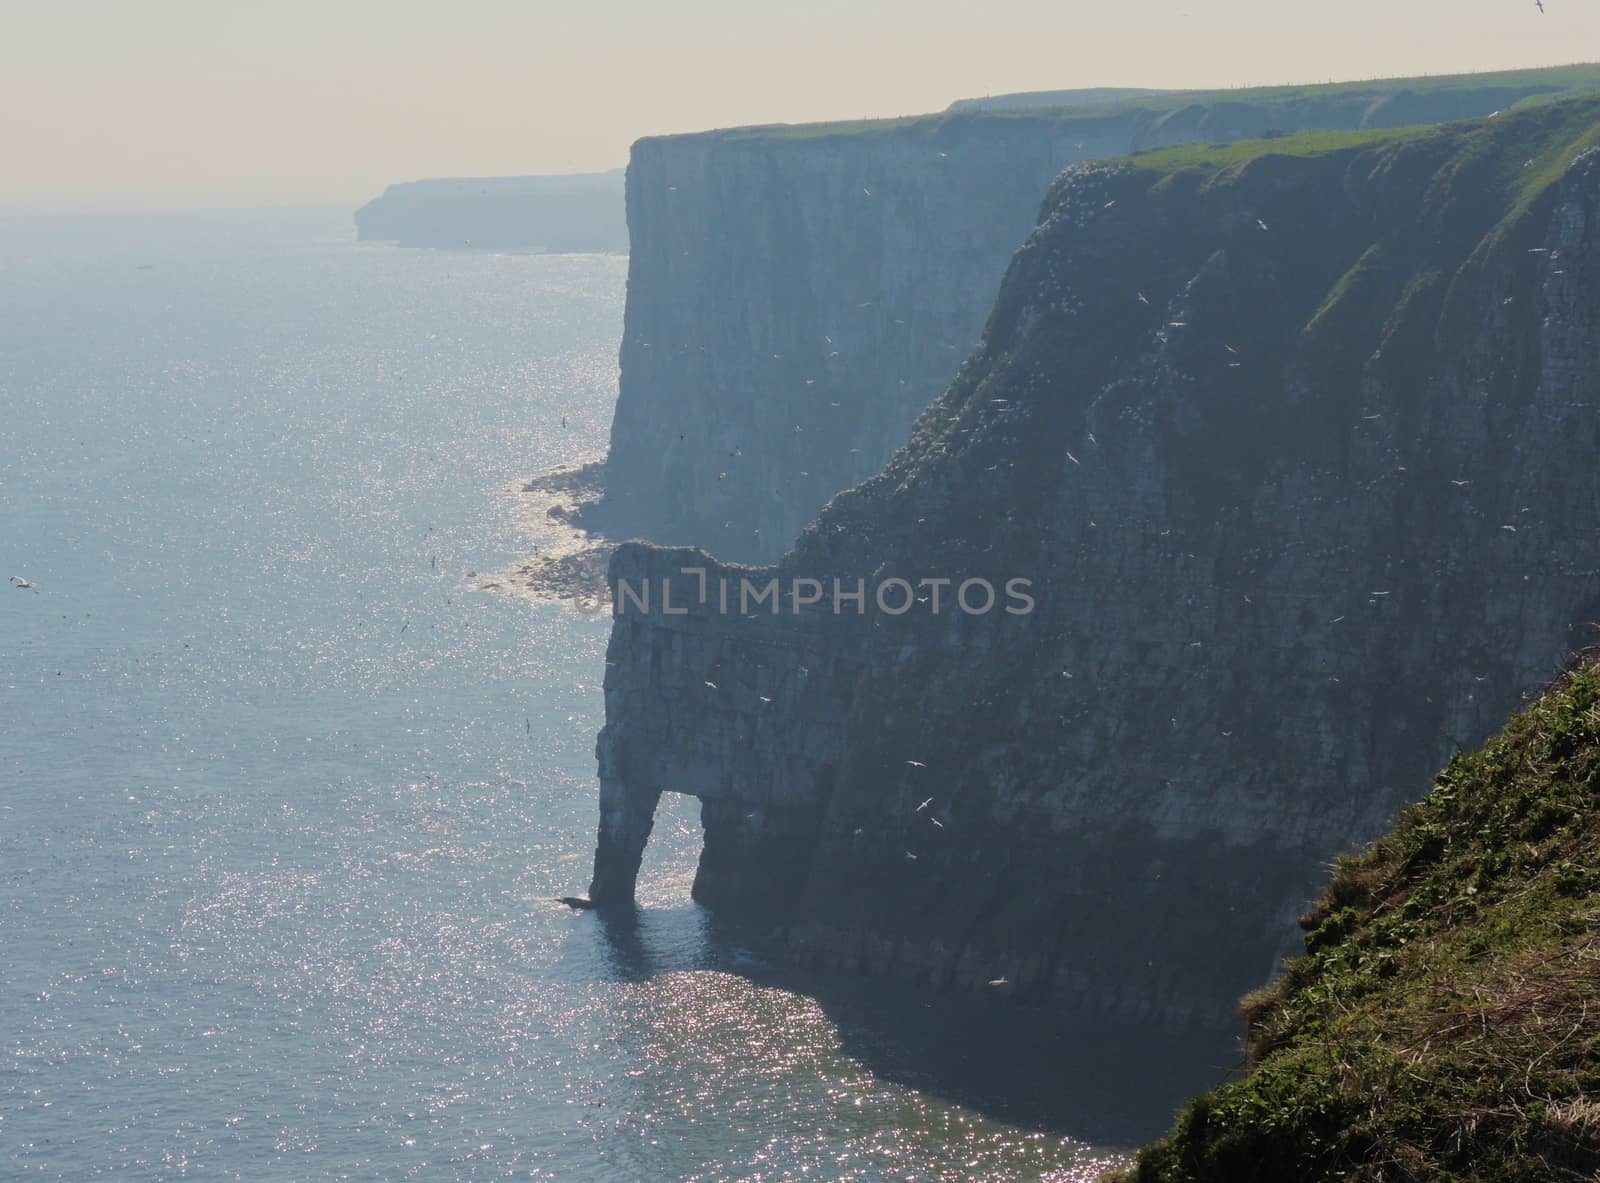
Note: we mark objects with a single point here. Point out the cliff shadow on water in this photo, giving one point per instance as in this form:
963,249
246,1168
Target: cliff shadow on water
1104,1083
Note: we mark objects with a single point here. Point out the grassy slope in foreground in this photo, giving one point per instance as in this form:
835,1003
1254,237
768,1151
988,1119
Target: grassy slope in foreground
1445,1020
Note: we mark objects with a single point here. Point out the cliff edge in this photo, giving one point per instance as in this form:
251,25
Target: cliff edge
797,296
1294,443
1441,1023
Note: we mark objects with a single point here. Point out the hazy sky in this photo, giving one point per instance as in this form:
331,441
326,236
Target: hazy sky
227,102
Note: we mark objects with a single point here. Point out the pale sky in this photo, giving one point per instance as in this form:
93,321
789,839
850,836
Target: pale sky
263,102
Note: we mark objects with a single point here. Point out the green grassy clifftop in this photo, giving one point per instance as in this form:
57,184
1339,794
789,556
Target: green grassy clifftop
1384,102
1445,1020
1555,80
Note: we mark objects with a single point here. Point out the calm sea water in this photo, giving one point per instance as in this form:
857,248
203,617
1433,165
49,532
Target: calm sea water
284,801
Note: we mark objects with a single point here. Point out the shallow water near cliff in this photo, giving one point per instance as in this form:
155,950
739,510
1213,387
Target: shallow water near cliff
286,799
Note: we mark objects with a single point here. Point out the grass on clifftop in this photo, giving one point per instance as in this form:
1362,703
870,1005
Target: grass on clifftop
1533,146
1552,82
1487,172
1215,157
1572,80
1444,1023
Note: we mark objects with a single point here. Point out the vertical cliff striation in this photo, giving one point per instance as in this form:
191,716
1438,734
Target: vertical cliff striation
1295,442
798,295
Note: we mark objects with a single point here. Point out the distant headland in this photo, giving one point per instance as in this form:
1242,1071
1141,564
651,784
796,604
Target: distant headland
578,213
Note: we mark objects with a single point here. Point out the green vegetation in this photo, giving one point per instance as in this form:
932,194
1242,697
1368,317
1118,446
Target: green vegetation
1312,143
1471,182
1444,1023
1575,79
817,131
1544,169
1548,83
1317,256
1354,281
1555,133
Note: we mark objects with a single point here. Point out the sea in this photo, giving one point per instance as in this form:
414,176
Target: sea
286,798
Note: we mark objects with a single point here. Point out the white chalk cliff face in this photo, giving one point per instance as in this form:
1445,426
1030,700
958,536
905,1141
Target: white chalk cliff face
1299,454
797,296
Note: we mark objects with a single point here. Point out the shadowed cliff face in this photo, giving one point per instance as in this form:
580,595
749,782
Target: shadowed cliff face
797,296
1297,448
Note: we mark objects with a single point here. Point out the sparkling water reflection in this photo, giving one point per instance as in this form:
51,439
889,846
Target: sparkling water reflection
286,800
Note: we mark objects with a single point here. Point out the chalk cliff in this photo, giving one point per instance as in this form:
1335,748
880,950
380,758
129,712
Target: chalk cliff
1296,442
581,212
798,295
